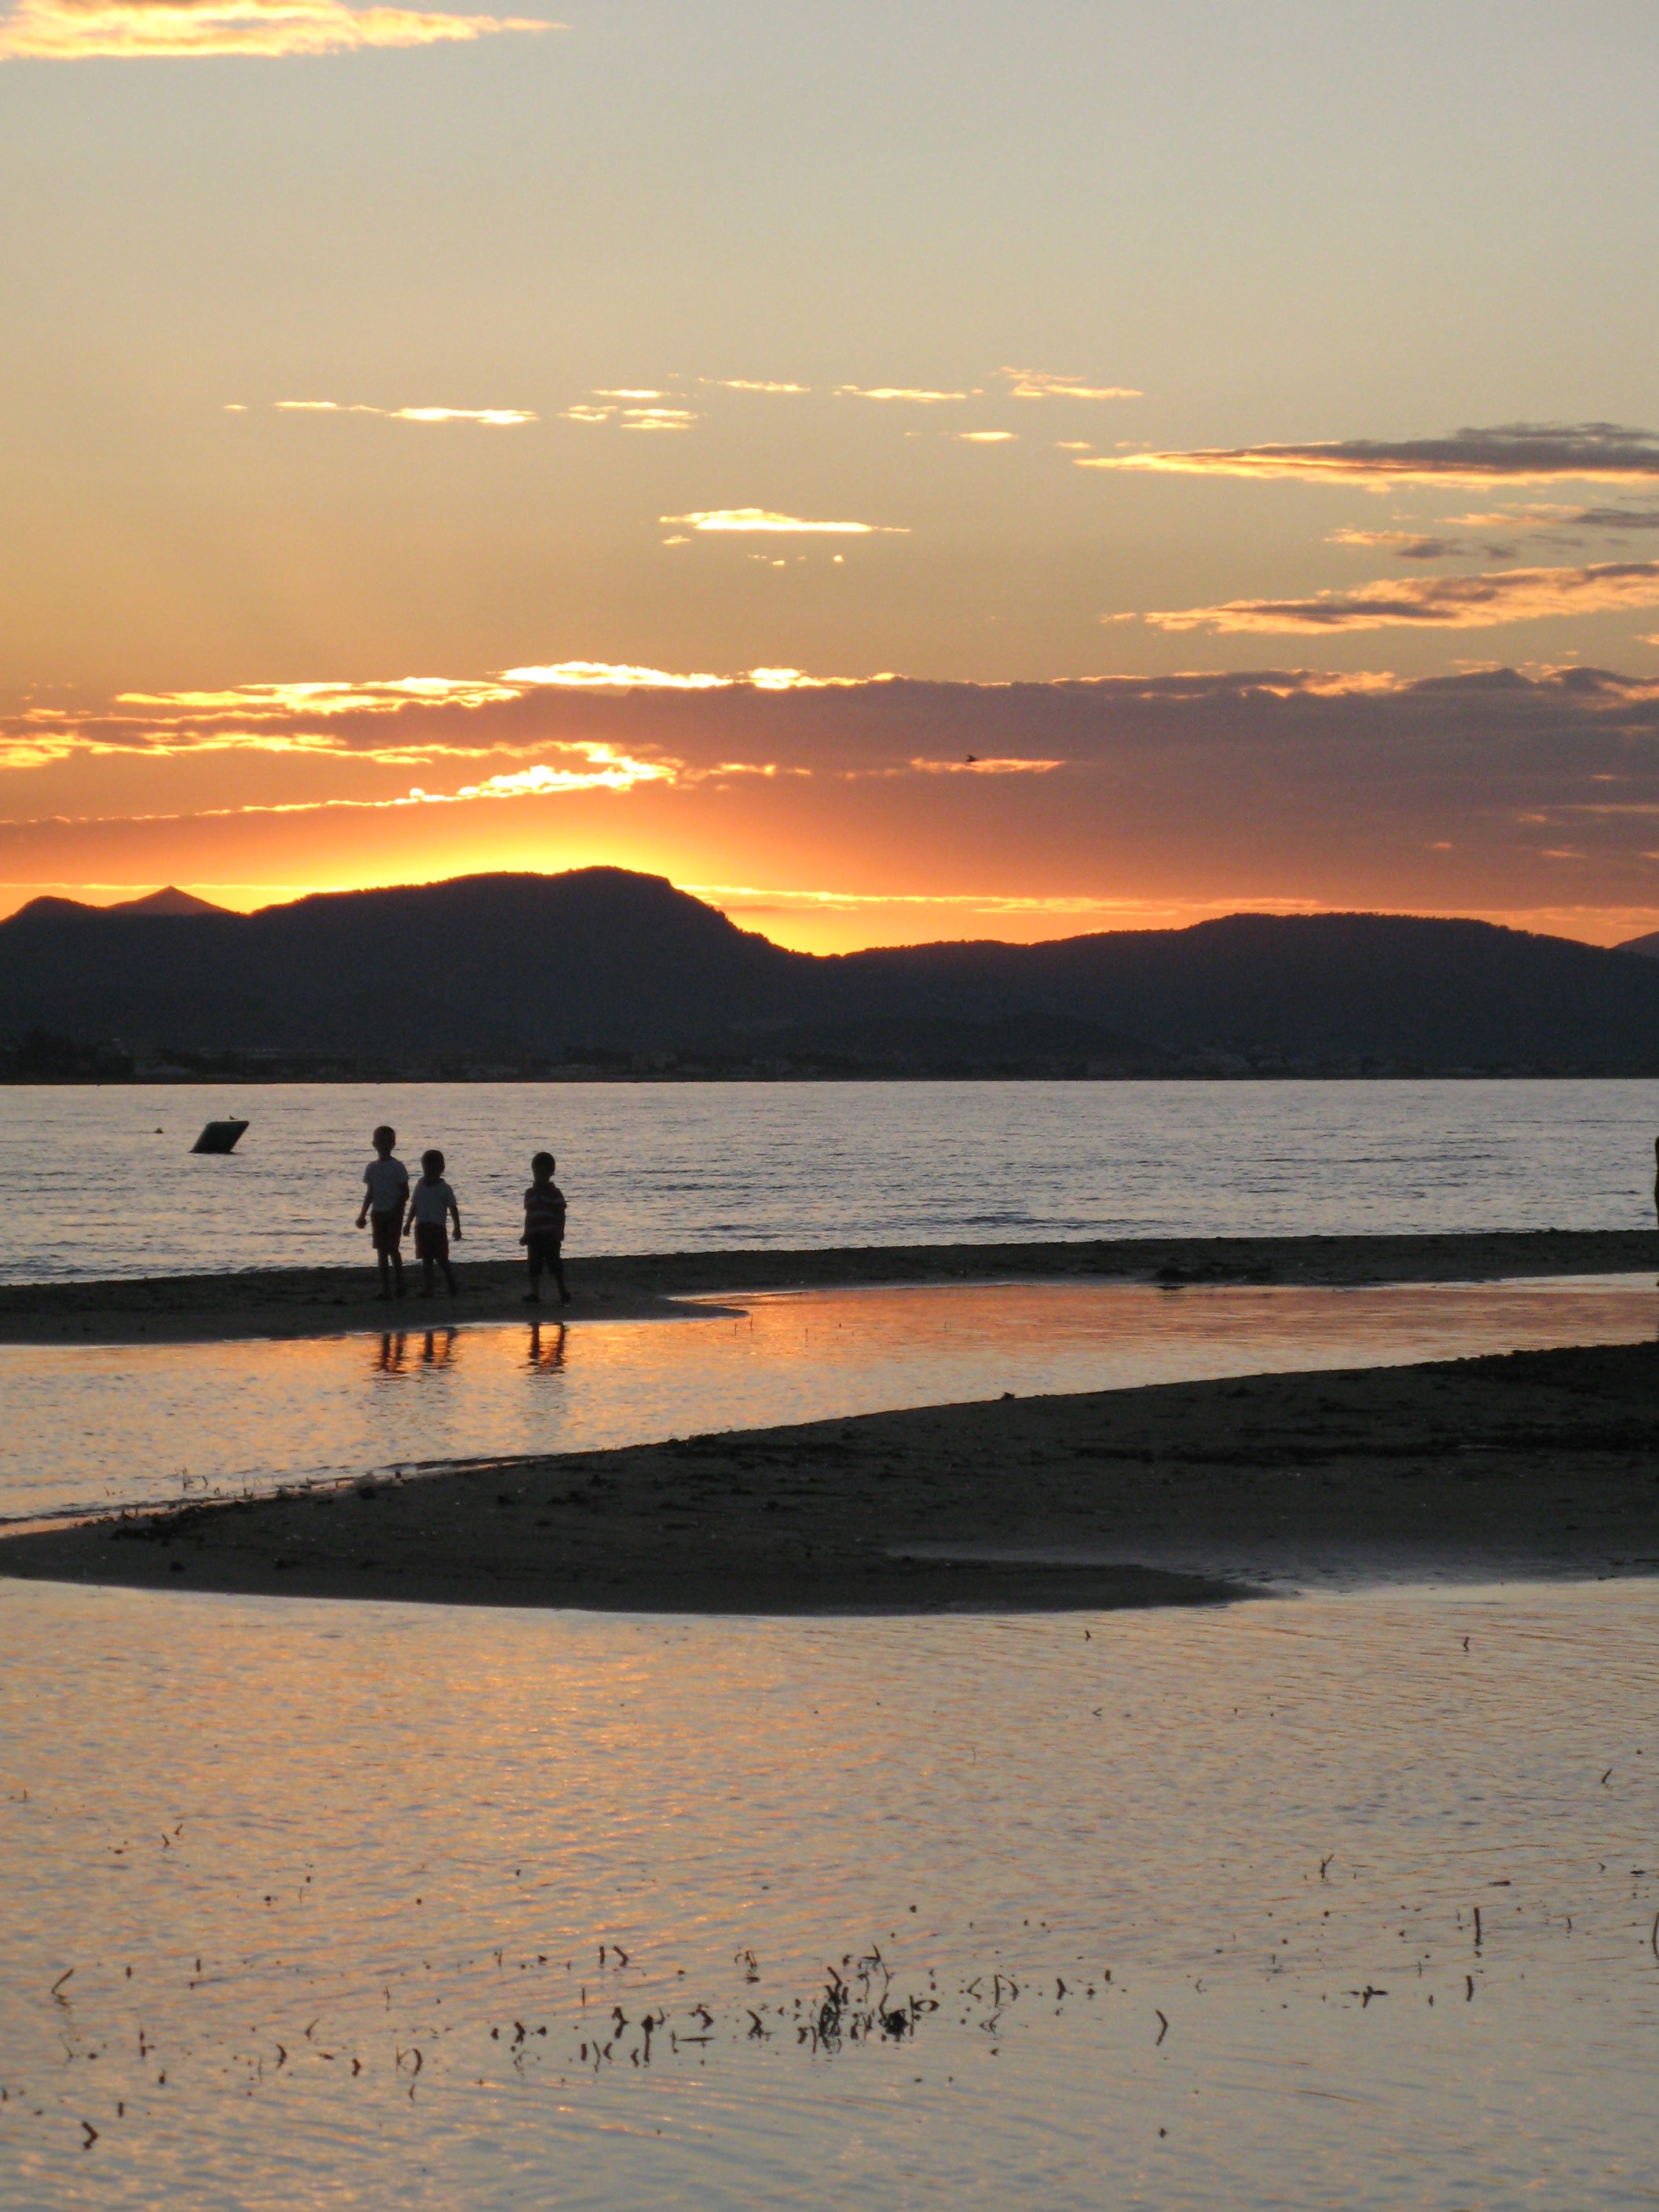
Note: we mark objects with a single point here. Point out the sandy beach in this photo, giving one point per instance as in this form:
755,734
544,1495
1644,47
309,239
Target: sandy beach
1532,1464
329,1301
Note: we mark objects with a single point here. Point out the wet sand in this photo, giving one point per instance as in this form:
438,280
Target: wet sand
1532,1464
329,1301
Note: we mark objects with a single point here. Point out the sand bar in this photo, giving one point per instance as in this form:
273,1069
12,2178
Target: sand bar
1532,1464
327,1301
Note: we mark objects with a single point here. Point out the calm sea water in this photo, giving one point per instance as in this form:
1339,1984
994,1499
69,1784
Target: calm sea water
94,1427
1337,1902
101,1181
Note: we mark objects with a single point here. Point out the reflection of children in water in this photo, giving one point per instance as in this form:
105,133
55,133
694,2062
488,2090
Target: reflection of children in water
546,1348
437,1350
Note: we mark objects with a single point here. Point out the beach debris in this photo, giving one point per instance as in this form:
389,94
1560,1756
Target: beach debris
219,1137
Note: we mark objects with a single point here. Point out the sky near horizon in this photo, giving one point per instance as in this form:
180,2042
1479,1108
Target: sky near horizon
901,471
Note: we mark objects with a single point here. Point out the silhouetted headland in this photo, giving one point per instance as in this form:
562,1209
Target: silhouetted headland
635,979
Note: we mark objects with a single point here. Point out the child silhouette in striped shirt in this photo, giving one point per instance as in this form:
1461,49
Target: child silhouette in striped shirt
544,1229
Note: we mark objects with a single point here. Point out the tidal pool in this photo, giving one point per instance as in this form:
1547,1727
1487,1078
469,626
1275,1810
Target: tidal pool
1342,1901
87,1429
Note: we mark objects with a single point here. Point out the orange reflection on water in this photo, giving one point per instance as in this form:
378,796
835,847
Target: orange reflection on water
91,1428
445,1830
546,1352
438,1349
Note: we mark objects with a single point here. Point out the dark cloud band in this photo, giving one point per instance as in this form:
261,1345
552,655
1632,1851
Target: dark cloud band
1510,452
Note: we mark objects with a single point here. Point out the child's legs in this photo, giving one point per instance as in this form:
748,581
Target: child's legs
542,1253
387,1257
432,1242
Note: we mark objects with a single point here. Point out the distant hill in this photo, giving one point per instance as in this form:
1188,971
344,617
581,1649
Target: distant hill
168,900
621,972
1647,946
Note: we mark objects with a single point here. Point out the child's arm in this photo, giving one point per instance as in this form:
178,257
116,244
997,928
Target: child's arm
362,1211
455,1216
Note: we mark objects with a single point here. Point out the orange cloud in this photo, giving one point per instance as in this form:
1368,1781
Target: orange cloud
282,699
1514,452
39,748
1032,384
1408,545
500,417
78,30
1482,602
897,391
603,768
743,519
606,770
973,765
641,416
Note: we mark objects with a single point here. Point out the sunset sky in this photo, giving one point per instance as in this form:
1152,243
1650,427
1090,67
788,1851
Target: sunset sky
902,470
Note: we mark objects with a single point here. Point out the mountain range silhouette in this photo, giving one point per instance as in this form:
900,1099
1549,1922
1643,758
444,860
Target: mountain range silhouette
527,971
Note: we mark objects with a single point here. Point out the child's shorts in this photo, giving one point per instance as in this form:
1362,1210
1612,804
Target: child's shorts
388,1229
431,1240
542,1251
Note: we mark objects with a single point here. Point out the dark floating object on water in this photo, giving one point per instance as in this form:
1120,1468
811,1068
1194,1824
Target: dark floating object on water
219,1137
